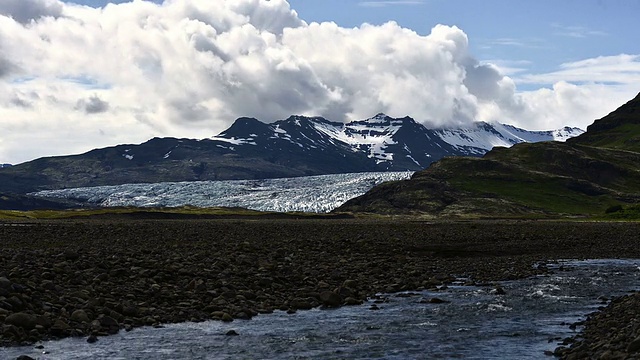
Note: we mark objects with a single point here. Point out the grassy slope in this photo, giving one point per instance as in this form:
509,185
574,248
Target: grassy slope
618,130
585,176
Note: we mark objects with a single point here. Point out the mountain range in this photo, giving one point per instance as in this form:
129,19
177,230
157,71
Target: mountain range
251,149
595,173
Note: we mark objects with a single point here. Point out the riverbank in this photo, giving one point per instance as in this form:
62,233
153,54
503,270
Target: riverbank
95,277
611,333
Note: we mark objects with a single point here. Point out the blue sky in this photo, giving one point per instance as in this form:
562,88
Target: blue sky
79,75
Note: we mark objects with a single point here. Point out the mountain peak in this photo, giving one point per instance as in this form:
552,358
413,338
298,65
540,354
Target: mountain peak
378,118
243,126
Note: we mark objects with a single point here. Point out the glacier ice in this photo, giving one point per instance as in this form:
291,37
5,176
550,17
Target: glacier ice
317,194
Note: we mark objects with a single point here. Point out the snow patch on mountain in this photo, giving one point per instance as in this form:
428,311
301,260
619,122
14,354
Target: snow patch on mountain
235,141
482,137
392,144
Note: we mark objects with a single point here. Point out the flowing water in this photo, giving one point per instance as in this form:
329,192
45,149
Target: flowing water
532,316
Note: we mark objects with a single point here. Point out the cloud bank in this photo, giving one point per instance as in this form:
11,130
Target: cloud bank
74,78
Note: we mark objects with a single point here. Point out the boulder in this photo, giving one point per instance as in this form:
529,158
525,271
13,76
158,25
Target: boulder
352,301
80,316
330,299
59,327
634,346
22,320
92,339
24,357
226,317
129,310
301,303
498,291
110,324
43,321
5,283
350,284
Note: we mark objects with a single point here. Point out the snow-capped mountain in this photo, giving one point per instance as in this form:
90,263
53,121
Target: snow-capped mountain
250,149
482,137
391,143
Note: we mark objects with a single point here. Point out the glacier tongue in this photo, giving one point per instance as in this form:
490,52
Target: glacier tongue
315,194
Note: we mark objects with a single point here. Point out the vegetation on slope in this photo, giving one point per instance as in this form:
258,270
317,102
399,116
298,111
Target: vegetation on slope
583,177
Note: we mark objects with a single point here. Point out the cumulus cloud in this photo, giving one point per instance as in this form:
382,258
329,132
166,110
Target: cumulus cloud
188,68
25,11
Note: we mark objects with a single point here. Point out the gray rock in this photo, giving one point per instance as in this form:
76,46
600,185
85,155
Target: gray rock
302,304
330,299
5,283
351,284
24,357
129,310
43,321
92,339
110,324
497,291
59,327
80,316
352,301
22,320
634,346
226,317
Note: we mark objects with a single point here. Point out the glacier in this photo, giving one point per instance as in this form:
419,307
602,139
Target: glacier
314,194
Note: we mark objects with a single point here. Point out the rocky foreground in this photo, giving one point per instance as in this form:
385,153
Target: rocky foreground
92,278
610,334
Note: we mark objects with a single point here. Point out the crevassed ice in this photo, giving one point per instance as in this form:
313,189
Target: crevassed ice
316,194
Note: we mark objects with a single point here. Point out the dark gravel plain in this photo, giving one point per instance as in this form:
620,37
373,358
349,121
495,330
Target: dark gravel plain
94,277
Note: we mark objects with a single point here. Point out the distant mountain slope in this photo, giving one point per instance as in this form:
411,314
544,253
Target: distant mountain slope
583,176
250,149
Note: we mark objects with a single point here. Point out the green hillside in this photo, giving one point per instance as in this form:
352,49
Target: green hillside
618,130
588,175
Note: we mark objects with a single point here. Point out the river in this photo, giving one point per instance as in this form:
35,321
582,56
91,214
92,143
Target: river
531,317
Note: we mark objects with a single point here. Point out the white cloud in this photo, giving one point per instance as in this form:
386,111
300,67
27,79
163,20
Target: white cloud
77,78
619,69
579,32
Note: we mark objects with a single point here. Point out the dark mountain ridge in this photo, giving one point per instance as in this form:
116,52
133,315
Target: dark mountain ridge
250,149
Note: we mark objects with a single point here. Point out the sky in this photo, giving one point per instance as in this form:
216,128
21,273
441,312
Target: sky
92,73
